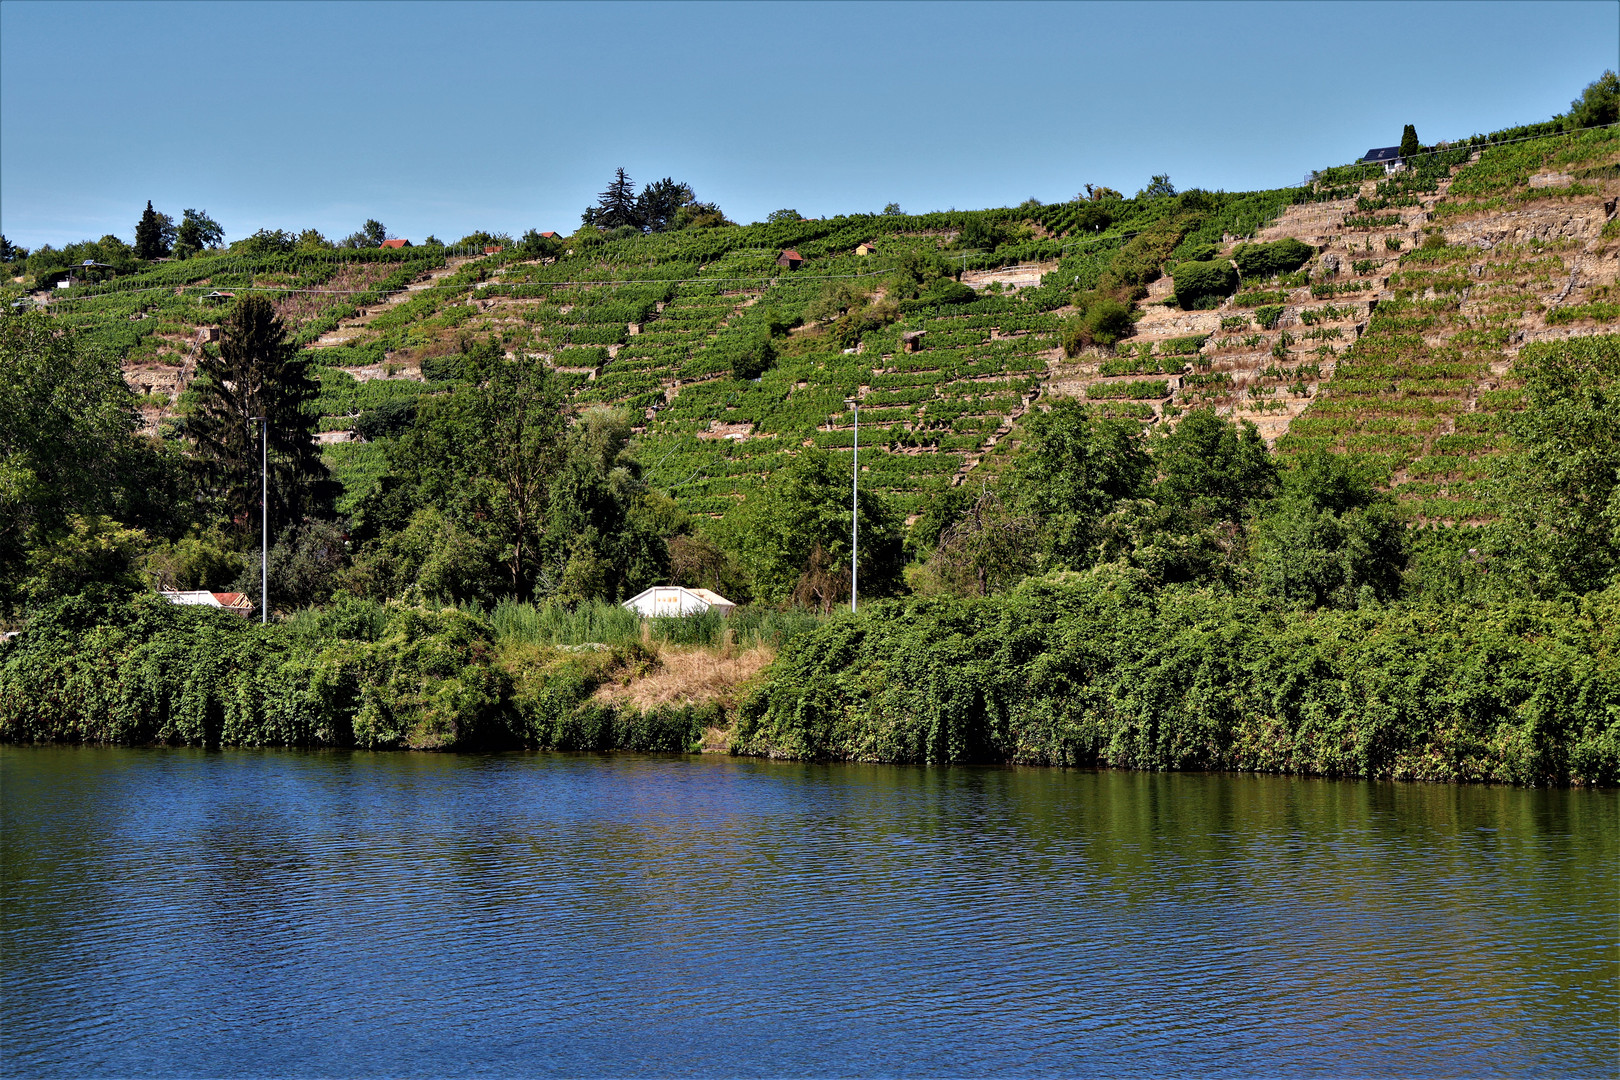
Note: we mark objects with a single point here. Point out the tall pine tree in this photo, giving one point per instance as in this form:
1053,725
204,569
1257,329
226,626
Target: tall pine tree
149,234
617,205
258,372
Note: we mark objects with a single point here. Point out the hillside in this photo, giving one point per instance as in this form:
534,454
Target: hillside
1069,553
1394,340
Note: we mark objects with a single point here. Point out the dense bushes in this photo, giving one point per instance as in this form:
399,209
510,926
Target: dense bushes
1098,669
1264,260
1198,283
1101,320
358,674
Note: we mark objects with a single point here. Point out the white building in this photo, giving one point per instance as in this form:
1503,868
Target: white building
230,601
676,600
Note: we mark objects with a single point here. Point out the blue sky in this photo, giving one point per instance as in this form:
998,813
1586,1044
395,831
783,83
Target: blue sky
448,118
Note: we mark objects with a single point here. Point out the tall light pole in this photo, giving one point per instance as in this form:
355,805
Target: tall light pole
264,519
854,504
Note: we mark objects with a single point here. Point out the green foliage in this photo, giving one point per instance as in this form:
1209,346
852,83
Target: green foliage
1097,670
1561,487
1256,261
1212,469
149,240
258,373
1199,282
1409,142
1333,537
794,536
1072,471
1102,320
69,457
1598,104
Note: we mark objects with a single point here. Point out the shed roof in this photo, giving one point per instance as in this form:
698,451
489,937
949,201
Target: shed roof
1383,153
400,243
203,598
709,597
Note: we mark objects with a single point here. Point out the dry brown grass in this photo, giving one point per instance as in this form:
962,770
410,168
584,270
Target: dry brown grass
688,676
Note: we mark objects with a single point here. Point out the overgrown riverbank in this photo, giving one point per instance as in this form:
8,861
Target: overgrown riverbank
1100,669
1082,669
380,676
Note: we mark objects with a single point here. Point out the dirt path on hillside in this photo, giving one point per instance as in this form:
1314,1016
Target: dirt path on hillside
348,329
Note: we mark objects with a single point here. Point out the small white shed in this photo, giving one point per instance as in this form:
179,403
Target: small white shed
676,600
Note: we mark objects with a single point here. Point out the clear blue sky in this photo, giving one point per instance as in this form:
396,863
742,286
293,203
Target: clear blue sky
448,118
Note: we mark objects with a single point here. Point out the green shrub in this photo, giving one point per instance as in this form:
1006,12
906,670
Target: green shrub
1102,321
1279,257
1267,316
1199,281
1097,669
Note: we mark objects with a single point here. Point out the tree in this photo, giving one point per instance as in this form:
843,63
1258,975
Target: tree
660,201
892,210
9,252
990,549
1331,538
167,233
1072,471
536,246
982,233
616,206
266,242
1560,488
67,434
256,373
1098,193
602,537
370,235
1158,187
794,535
1598,104
779,217
754,354
312,240
149,235
486,454
1100,320
1213,469
1409,142
197,231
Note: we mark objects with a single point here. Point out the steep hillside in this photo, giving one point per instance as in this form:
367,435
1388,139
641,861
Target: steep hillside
1395,339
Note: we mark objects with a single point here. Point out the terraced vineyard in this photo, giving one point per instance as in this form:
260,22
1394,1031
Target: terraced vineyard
1395,340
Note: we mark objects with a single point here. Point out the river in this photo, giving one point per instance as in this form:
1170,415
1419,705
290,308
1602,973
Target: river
274,913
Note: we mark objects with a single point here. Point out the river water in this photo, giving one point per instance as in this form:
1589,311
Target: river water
270,913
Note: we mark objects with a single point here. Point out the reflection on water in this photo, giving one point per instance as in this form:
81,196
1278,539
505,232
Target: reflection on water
247,913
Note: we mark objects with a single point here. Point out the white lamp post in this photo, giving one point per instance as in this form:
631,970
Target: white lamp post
264,519
854,504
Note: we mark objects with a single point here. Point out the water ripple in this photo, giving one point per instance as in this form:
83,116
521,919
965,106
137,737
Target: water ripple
178,913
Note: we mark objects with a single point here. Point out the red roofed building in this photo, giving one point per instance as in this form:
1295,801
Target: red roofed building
396,243
790,259
552,235
492,249
231,601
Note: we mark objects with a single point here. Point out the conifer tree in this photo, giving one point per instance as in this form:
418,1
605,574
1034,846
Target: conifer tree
149,234
617,205
1409,142
258,372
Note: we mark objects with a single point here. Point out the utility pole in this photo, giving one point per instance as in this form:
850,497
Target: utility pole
264,519
854,505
